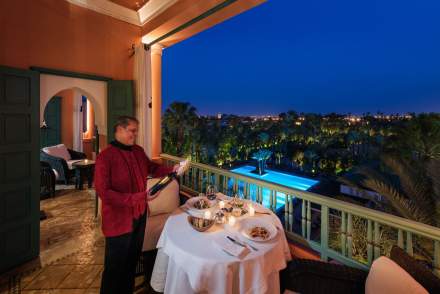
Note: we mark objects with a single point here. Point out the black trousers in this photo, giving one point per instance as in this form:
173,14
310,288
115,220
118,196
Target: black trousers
121,256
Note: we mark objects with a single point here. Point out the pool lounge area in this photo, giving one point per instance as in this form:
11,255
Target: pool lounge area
272,176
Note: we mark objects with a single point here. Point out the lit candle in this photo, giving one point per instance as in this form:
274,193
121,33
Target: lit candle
207,214
231,221
221,204
251,210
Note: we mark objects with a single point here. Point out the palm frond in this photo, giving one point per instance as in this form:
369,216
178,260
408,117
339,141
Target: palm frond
412,181
433,171
405,207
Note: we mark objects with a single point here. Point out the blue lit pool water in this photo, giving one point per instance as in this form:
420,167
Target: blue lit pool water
271,176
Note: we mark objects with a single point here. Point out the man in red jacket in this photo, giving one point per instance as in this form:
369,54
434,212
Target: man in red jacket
121,172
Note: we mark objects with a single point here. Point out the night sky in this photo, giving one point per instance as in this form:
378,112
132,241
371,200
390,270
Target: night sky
321,56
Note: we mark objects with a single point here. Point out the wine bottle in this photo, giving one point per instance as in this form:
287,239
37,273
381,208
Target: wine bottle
162,183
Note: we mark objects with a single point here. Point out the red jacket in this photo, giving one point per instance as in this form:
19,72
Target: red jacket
116,183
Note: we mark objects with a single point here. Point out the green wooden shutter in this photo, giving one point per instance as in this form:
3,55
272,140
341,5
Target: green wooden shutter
120,102
19,167
51,135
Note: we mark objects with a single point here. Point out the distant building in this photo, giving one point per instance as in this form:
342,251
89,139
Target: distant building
361,193
265,117
219,115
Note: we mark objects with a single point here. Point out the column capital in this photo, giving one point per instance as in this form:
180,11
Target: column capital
156,49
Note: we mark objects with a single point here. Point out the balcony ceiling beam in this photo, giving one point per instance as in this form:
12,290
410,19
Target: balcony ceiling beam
187,18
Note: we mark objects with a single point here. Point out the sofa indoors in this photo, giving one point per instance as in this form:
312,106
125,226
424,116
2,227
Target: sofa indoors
61,159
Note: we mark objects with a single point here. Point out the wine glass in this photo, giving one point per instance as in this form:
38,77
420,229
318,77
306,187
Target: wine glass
211,191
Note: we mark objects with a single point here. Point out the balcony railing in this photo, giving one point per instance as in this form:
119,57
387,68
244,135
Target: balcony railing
351,234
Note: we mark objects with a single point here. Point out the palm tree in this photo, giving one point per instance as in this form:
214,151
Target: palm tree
298,158
433,171
419,137
179,120
405,185
353,139
278,156
261,156
311,157
264,138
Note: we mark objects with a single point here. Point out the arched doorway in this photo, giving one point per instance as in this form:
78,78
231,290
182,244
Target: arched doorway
69,119
95,92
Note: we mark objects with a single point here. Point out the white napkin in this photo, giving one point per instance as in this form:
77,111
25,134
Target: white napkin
183,166
229,246
259,209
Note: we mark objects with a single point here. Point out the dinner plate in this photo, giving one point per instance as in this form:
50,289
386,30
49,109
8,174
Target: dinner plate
190,204
247,224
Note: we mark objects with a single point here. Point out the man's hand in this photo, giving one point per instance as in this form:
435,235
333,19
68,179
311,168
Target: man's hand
181,167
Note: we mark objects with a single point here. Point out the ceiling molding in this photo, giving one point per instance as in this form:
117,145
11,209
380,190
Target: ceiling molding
111,9
153,8
150,10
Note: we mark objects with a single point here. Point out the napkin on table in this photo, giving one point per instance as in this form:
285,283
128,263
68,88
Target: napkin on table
263,210
228,246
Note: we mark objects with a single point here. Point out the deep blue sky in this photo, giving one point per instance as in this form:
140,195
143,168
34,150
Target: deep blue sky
312,56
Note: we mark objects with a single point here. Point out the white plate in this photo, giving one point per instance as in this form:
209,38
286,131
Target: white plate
190,204
248,223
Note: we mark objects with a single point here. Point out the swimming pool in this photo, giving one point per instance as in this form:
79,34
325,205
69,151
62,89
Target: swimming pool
271,176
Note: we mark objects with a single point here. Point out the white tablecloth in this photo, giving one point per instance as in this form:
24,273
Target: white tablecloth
188,261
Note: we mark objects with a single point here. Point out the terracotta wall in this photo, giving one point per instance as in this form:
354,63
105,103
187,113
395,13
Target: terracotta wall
67,117
57,34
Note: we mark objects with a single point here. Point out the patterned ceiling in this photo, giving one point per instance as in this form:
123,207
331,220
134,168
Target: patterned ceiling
131,4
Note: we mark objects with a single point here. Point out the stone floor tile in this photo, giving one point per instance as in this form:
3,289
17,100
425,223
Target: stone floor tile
36,292
54,291
97,282
67,291
92,291
87,256
81,277
50,278
27,279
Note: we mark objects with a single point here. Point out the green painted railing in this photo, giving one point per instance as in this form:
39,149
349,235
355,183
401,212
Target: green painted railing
351,234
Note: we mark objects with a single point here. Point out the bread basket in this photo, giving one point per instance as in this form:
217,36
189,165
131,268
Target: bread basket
200,224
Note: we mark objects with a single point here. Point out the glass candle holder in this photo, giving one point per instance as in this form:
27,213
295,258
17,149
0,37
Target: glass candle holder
211,191
220,217
251,210
231,220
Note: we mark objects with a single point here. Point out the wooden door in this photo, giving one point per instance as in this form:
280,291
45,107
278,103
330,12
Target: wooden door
120,102
19,166
51,135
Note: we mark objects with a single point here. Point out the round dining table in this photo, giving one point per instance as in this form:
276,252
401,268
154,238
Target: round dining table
189,261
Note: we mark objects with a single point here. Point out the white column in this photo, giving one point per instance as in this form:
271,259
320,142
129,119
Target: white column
156,91
142,77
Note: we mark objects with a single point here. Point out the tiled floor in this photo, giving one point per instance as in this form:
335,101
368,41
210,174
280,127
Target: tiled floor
72,248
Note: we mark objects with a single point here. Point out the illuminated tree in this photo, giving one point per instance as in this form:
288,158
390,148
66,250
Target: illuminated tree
261,156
